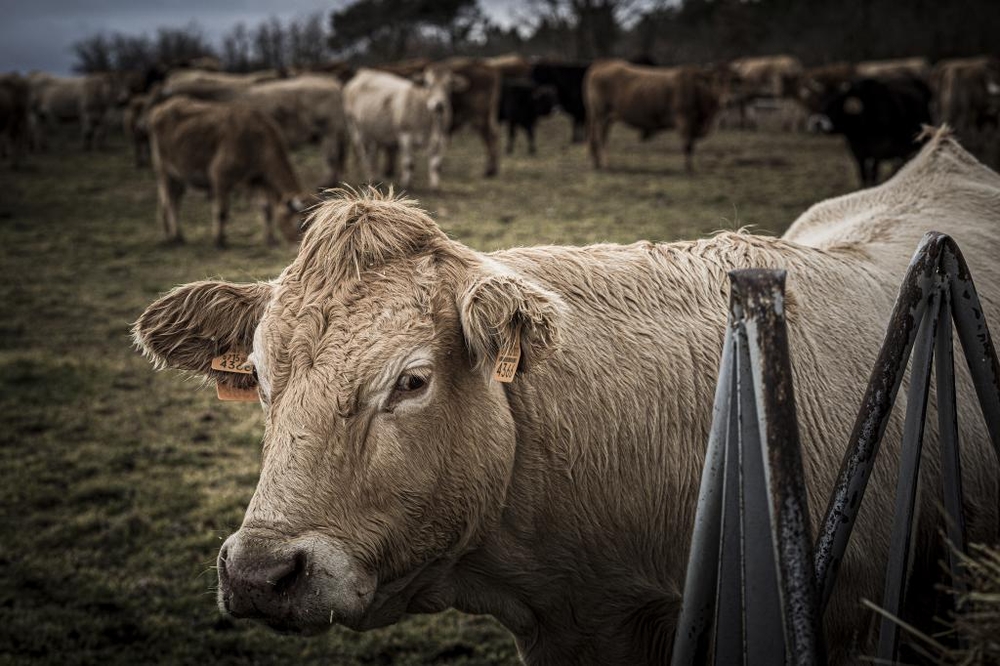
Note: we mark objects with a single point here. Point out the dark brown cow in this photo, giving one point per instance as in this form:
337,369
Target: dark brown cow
15,98
650,99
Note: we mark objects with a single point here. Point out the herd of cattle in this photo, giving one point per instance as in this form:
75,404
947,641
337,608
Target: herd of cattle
213,130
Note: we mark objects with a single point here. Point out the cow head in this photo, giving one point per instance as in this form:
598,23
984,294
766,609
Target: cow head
291,216
388,446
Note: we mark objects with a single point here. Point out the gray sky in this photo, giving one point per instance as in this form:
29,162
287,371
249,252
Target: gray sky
38,34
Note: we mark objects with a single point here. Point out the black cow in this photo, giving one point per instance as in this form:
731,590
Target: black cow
880,120
522,103
567,79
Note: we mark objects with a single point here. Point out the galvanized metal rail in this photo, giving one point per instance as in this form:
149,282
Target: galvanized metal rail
754,589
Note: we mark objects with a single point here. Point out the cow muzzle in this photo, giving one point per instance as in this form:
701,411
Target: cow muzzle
300,585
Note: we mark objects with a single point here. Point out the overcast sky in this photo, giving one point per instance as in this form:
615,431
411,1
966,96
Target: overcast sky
39,34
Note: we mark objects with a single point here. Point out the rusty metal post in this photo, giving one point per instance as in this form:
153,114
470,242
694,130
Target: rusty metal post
697,612
906,483
873,416
752,509
791,536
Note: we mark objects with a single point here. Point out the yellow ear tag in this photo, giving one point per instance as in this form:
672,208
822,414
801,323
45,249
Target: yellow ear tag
228,393
508,358
232,362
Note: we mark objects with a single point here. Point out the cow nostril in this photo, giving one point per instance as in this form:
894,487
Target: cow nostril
296,569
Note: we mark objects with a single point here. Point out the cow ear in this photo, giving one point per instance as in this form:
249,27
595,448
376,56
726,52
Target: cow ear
497,308
194,323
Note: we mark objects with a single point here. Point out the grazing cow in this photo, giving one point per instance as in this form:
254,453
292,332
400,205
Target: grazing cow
15,97
398,477
649,99
522,103
880,120
308,109
898,68
219,146
387,111
567,79
85,99
135,126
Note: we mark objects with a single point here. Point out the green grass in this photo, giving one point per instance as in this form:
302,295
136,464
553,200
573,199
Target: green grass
118,484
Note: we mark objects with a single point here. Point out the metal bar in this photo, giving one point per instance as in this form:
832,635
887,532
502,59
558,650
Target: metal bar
951,467
791,536
906,484
876,407
977,343
730,646
691,643
762,618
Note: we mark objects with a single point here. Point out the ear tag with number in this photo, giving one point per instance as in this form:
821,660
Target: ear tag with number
508,358
232,362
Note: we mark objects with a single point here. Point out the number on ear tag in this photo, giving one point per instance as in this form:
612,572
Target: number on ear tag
508,359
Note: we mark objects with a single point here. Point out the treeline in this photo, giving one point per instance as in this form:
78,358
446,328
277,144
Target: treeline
664,31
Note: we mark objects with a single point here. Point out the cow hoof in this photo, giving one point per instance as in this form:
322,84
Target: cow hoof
174,241
490,173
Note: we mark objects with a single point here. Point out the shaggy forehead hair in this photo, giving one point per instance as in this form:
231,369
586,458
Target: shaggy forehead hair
358,231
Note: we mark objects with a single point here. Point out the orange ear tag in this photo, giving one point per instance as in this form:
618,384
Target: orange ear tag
236,363
508,358
232,362
229,393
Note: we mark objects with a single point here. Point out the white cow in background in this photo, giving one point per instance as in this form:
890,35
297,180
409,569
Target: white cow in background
388,111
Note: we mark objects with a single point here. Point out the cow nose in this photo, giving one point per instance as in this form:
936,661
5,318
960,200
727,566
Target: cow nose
257,583
439,107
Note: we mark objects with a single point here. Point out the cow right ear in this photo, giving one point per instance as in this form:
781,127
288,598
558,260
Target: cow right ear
189,326
503,314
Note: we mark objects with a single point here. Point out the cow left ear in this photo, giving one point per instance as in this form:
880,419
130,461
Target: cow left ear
498,309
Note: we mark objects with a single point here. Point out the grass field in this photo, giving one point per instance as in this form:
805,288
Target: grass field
119,484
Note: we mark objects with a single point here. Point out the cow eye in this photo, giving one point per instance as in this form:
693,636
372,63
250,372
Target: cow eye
409,382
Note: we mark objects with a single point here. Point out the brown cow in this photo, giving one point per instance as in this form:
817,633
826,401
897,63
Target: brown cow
86,99
219,146
134,123
967,97
650,99
14,117
397,476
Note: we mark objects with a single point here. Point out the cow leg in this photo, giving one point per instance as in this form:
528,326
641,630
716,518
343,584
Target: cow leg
405,144
170,192
511,132
689,156
530,130
579,129
220,214
267,217
330,151
489,134
598,131
364,157
391,153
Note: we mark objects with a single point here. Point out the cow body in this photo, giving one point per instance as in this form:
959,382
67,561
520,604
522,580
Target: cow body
880,120
768,76
522,103
86,100
649,99
387,111
218,147
567,79
15,97
476,105
211,85
398,477
308,109
896,68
